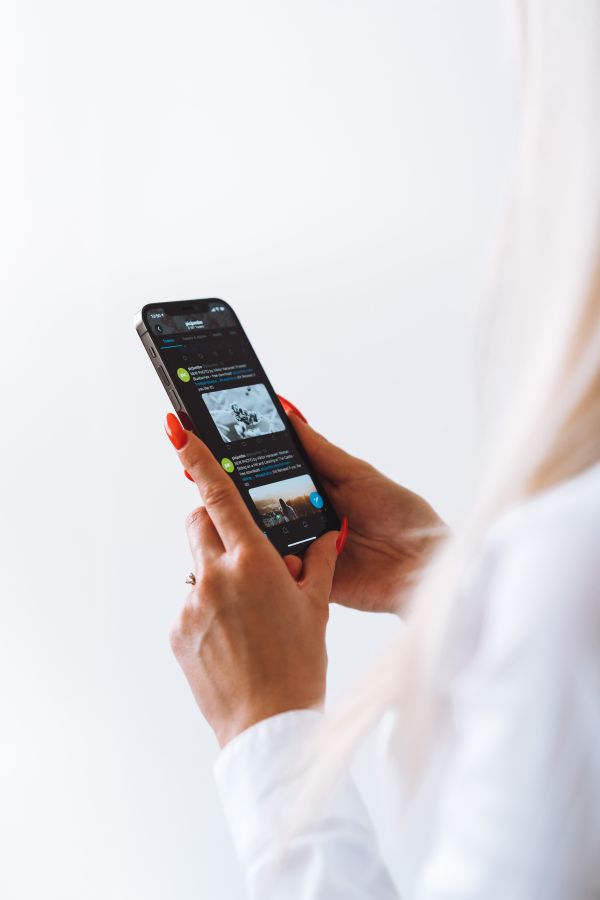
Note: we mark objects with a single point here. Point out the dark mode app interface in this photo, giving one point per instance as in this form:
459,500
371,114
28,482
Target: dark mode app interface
215,371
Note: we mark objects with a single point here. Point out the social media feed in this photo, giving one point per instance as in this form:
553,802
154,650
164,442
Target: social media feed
225,391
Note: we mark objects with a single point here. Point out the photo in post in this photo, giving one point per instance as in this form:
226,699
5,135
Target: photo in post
285,501
243,412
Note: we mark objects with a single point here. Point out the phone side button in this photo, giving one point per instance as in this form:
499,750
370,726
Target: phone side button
151,351
163,376
174,400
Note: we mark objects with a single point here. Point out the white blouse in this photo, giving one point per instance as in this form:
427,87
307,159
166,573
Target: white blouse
509,808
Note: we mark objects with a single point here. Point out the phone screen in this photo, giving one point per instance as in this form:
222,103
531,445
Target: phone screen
213,375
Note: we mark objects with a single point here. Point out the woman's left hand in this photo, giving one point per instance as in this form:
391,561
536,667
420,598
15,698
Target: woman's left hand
251,635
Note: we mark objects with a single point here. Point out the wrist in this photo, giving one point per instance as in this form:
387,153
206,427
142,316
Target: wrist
233,726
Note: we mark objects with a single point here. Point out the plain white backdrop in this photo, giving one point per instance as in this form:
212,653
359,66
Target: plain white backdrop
336,171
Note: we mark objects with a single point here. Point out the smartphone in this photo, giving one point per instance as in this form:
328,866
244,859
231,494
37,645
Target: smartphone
220,391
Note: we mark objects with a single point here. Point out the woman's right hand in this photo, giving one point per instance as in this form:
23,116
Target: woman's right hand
391,530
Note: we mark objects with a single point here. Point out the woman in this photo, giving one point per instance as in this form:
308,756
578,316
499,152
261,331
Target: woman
492,691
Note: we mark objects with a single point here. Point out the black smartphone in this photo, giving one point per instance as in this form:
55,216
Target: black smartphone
219,390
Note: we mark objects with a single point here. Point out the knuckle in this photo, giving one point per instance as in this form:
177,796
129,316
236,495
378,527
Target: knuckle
216,493
175,639
244,558
178,633
196,518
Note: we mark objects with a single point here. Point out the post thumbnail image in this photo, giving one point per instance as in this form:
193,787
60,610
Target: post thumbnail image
243,412
285,501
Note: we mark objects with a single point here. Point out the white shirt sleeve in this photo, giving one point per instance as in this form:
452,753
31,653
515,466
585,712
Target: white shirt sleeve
259,775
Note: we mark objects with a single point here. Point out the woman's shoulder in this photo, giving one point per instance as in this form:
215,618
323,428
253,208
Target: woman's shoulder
541,559
568,513
567,505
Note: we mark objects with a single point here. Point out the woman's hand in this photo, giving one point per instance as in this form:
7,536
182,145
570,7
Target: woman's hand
250,639
391,531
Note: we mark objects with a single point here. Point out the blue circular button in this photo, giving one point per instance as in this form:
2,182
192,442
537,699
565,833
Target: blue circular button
316,500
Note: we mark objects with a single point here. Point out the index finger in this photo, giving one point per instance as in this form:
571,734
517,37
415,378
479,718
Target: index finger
229,514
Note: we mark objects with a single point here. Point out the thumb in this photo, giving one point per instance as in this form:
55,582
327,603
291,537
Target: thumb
319,566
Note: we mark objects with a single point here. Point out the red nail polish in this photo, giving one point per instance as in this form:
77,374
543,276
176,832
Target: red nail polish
341,541
187,475
175,431
290,408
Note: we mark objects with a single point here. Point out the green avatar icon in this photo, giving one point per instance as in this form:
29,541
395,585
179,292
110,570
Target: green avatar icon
183,375
227,464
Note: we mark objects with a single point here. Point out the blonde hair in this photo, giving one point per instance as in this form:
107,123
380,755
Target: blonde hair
544,350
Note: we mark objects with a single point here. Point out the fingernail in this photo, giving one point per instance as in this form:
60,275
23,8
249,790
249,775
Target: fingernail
175,431
290,408
187,475
341,541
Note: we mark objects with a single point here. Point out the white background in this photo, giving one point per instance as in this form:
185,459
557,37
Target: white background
336,171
